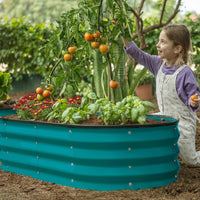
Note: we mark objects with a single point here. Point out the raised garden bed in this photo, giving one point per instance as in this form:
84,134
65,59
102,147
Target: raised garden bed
92,157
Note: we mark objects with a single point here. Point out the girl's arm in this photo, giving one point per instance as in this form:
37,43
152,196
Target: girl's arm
151,62
187,86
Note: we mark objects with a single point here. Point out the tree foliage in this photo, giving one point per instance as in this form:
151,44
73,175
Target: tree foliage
23,46
36,10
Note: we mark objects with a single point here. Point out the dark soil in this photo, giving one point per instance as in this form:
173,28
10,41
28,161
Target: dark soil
19,187
95,120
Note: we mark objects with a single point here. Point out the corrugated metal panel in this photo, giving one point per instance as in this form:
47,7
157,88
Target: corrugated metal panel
6,111
134,157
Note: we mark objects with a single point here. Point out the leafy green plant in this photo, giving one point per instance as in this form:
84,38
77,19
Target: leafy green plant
5,85
148,77
130,108
74,113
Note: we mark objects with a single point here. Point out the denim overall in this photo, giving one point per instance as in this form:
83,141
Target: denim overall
170,104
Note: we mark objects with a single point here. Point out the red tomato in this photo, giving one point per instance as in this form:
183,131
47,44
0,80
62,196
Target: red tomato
39,90
114,84
193,97
46,93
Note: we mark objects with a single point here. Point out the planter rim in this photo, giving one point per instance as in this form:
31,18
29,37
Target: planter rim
171,121
6,108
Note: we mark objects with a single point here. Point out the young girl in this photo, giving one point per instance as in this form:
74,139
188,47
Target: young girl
175,83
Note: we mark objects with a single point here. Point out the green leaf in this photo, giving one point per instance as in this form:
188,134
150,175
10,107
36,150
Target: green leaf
92,96
149,104
142,110
63,89
56,105
134,114
76,117
66,112
142,119
93,108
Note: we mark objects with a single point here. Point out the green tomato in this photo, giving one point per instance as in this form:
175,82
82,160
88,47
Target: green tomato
104,40
64,52
40,97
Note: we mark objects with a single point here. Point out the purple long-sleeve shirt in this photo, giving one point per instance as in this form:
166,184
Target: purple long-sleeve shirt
186,84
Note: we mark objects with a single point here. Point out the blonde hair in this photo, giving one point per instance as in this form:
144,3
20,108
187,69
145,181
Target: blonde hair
180,35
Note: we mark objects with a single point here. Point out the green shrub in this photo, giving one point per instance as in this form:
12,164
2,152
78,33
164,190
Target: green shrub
5,85
23,46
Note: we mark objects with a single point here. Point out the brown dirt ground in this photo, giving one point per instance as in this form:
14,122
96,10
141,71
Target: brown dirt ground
18,187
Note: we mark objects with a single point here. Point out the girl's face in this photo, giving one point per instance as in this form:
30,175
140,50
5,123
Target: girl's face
166,49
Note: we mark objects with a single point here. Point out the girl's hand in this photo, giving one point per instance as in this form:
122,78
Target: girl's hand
194,100
126,43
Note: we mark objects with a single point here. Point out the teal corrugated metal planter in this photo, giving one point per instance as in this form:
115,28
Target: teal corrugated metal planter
6,111
92,157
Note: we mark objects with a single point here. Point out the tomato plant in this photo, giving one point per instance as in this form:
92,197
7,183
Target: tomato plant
102,23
